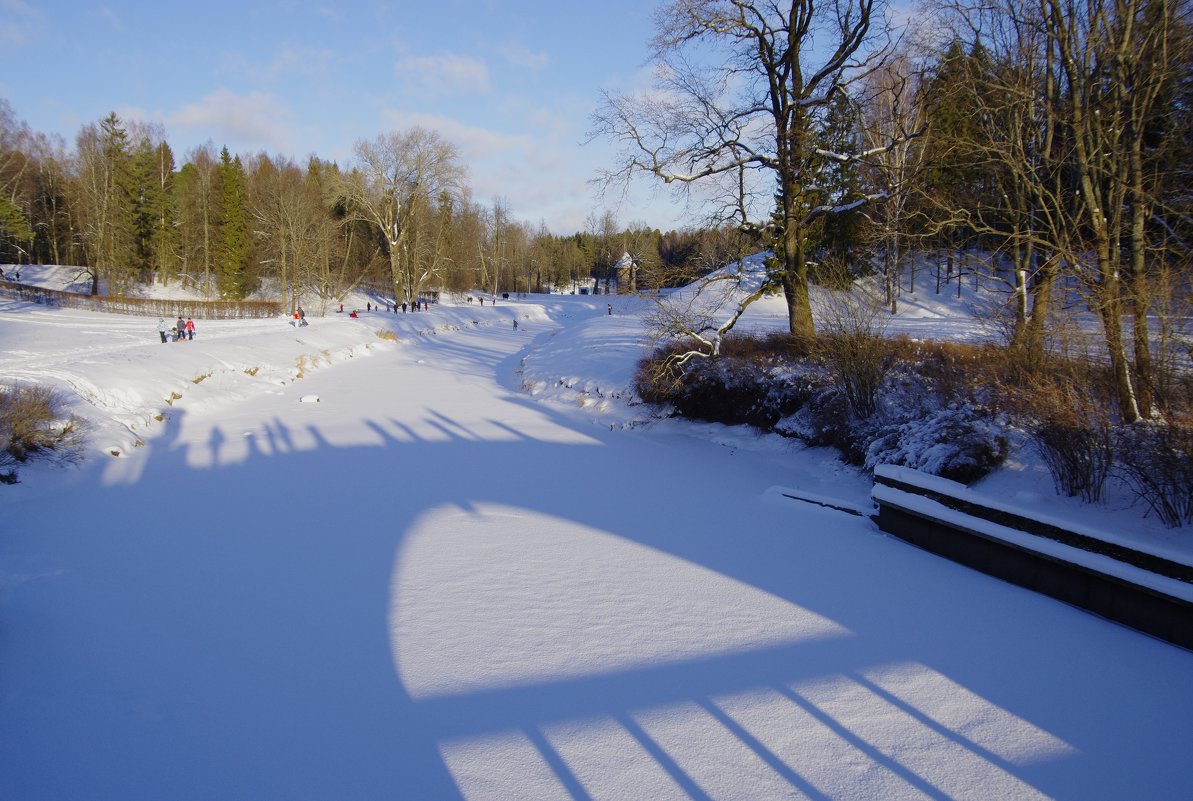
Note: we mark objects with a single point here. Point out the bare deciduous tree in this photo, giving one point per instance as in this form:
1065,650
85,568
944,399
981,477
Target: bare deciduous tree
893,107
289,220
747,125
393,172
198,216
1086,83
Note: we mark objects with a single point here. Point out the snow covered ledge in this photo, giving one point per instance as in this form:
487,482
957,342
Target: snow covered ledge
1147,592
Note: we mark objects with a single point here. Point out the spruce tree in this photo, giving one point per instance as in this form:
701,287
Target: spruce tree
164,236
103,194
234,247
960,171
150,197
841,182
16,235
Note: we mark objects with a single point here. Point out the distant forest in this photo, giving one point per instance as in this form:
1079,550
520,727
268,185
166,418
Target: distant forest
231,226
1053,139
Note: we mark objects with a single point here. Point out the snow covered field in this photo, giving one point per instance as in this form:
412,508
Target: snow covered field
473,570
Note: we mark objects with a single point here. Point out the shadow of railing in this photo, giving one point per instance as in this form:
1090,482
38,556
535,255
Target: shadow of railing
231,623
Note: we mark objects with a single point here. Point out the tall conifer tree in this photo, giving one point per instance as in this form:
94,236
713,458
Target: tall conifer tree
234,248
103,195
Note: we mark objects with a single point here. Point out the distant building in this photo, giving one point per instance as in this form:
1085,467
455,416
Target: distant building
626,273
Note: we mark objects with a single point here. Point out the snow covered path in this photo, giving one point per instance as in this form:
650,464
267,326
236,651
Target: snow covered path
430,585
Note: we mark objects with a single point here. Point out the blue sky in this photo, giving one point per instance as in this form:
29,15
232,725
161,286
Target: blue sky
511,83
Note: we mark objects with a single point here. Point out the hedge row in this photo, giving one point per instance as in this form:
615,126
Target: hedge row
143,307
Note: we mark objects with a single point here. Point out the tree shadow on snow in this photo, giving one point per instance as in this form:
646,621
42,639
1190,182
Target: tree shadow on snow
272,615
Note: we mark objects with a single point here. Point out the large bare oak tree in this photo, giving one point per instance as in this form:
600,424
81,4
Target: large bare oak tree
743,88
396,174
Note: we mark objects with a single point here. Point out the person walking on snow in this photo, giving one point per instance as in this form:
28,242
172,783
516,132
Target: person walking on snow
190,329
162,329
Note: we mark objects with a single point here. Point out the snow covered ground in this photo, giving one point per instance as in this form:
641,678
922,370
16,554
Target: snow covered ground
474,569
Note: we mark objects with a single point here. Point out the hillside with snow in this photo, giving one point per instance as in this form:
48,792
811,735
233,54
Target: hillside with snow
439,556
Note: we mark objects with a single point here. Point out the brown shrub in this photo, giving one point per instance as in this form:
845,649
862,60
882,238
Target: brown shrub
1070,428
1155,461
33,424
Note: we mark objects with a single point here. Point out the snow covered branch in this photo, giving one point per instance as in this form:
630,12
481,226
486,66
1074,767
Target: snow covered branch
843,208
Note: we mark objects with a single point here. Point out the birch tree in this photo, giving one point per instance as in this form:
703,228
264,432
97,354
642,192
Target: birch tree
894,108
1078,103
288,223
1112,59
197,186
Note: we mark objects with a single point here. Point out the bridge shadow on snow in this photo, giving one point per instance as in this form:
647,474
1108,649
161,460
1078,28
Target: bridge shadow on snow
271,582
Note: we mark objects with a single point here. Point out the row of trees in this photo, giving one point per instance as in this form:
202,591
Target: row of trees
399,221
1055,134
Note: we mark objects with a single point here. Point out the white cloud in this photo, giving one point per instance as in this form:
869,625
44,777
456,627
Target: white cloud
520,56
542,177
443,73
299,61
253,121
18,22
475,143
109,16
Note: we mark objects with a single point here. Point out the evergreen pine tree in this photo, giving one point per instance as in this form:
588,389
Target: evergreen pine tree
164,237
16,235
148,199
234,247
104,189
839,134
959,173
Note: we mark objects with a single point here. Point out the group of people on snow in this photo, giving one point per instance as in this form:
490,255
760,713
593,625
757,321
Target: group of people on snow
414,305
182,331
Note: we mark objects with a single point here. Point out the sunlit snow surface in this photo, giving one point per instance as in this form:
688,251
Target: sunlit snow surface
495,597
475,569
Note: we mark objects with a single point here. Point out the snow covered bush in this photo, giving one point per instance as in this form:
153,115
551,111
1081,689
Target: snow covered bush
752,384
875,400
726,391
961,443
33,424
826,420
1155,460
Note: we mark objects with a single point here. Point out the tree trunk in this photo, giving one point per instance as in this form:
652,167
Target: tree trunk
795,267
1030,338
1144,381
1138,283
1112,321
799,306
